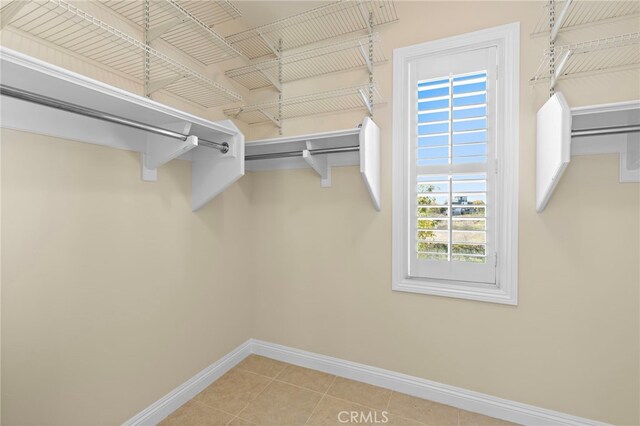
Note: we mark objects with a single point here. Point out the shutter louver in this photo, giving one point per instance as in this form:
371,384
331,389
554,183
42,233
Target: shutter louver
451,219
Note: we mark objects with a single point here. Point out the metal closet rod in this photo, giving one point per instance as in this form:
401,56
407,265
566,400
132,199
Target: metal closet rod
299,153
88,112
614,130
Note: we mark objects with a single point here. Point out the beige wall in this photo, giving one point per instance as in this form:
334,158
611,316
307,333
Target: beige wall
322,271
114,292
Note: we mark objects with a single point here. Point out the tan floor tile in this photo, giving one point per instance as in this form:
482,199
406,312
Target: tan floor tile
427,412
262,365
233,391
195,414
307,378
334,411
474,419
281,404
360,393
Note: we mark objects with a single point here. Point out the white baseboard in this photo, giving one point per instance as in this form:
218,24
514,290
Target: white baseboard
438,392
169,403
457,397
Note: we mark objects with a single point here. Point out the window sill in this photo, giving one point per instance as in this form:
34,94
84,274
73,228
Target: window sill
469,291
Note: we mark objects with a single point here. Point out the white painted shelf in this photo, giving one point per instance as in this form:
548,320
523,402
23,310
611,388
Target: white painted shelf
315,25
212,171
66,26
563,132
334,57
297,152
317,103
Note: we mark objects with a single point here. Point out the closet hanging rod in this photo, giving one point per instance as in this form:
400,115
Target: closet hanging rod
630,128
88,112
288,154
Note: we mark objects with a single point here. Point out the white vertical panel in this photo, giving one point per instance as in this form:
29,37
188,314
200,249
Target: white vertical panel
553,146
370,159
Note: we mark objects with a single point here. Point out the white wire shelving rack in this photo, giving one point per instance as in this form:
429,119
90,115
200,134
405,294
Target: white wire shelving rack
349,98
322,23
281,41
64,25
611,53
571,14
179,23
341,56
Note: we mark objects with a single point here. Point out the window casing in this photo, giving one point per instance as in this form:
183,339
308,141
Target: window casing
455,166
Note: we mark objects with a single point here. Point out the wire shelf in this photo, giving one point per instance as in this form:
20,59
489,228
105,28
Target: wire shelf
616,52
179,24
318,103
582,12
349,54
68,27
332,20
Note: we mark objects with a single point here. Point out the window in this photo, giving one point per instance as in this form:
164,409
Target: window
455,163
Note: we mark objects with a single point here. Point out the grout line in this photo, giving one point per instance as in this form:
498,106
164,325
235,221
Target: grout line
256,397
320,400
298,386
389,401
204,404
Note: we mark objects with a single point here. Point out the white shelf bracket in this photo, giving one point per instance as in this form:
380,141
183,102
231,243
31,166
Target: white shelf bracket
365,100
154,86
270,117
11,10
160,150
365,56
365,16
562,63
318,163
156,32
271,79
560,19
266,41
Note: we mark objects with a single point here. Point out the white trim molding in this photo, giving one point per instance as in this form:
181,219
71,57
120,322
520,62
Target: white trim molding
169,403
457,397
506,40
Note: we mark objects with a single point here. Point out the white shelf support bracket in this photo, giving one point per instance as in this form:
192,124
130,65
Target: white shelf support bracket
365,16
271,79
560,19
318,163
560,66
160,150
365,101
156,32
365,56
266,41
273,119
10,11
154,86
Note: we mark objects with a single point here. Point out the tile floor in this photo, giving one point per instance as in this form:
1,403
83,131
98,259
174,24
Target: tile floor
263,391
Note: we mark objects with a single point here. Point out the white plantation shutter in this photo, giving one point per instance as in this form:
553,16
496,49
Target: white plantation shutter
452,167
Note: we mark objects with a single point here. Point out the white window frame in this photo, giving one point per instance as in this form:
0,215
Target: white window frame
506,39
